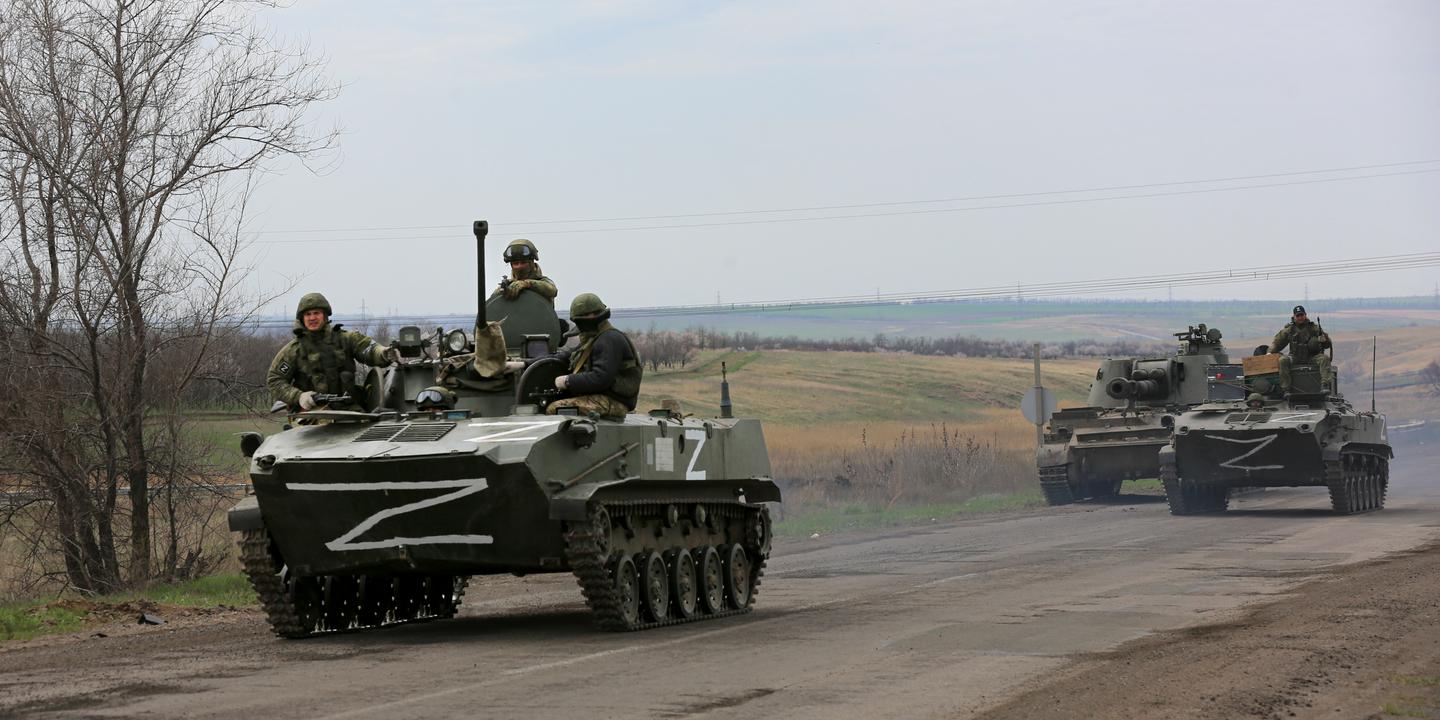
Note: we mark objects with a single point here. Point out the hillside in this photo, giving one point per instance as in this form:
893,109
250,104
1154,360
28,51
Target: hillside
800,388
1054,320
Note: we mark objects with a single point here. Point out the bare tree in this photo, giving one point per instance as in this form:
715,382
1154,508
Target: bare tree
129,132
1430,376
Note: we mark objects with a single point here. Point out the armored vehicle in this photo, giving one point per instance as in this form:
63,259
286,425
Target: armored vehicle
449,468
1303,434
1088,452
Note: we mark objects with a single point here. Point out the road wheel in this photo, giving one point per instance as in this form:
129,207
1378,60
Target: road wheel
684,585
737,576
374,597
627,590
304,594
712,579
340,592
654,585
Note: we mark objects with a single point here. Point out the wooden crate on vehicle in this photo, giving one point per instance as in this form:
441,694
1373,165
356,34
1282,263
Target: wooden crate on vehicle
1260,365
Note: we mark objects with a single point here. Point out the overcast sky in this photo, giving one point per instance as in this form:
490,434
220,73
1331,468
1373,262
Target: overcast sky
543,111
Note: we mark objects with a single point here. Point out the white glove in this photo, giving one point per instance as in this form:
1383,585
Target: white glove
307,400
561,382
390,353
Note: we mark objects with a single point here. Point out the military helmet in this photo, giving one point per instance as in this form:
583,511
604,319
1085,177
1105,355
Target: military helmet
313,301
435,397
521,250
587,306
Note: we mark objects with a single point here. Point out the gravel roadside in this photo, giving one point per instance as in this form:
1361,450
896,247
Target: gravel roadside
1363,642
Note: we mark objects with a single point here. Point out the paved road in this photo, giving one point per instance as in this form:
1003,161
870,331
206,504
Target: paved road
938,622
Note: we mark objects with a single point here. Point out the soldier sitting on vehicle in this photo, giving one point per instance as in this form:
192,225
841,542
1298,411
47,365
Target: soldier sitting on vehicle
1307,342
321,359
525,273
605,371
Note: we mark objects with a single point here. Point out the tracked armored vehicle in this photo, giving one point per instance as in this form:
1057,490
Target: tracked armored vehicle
380,515
1088,452
1303,435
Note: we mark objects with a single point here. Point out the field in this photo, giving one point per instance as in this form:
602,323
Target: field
799,389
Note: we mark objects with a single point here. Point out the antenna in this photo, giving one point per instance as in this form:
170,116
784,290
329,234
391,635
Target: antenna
1374,355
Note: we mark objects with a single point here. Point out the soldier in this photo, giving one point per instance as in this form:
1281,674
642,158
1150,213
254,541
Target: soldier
1307,342
604,370
525,272
321,358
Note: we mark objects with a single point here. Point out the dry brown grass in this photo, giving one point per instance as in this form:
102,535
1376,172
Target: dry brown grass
803,388
894,464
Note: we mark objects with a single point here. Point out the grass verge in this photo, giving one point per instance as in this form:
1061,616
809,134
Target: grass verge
862,517
25,620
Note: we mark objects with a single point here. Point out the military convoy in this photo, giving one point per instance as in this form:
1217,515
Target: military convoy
1088,452
448,468
1303,434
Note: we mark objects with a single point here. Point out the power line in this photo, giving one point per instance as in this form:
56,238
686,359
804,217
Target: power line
893,203
852,216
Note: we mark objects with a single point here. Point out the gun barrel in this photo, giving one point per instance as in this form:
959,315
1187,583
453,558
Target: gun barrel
1139,386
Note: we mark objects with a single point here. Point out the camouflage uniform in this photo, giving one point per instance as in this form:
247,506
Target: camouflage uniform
1299,337
322,361
529,278
605,370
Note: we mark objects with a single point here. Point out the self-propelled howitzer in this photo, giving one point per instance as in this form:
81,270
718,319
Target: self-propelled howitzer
1088,452
369,517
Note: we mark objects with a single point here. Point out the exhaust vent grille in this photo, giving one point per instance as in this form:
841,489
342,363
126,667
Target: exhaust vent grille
424,432
405,432
380,432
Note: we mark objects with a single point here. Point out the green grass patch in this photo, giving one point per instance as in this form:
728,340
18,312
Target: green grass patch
862,517
1397,710
229,589
22,621
1416,680
1143,484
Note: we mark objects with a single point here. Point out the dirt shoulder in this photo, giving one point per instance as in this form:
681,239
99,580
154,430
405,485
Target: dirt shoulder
1363,642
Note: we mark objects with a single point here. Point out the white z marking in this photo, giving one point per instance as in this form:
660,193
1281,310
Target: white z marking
699,437
346,541
505,435
1259,444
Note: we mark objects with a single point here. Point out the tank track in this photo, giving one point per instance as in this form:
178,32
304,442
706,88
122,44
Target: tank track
1187,497
1357,482
299,607
1055,484
593,563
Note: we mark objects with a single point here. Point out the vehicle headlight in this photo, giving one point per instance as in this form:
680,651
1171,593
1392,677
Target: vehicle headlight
456,342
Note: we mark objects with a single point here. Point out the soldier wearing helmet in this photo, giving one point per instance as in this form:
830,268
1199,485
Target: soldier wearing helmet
604,370
321,359
1307,342
525,272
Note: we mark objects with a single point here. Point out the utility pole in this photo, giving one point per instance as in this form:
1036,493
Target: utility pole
1039,402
